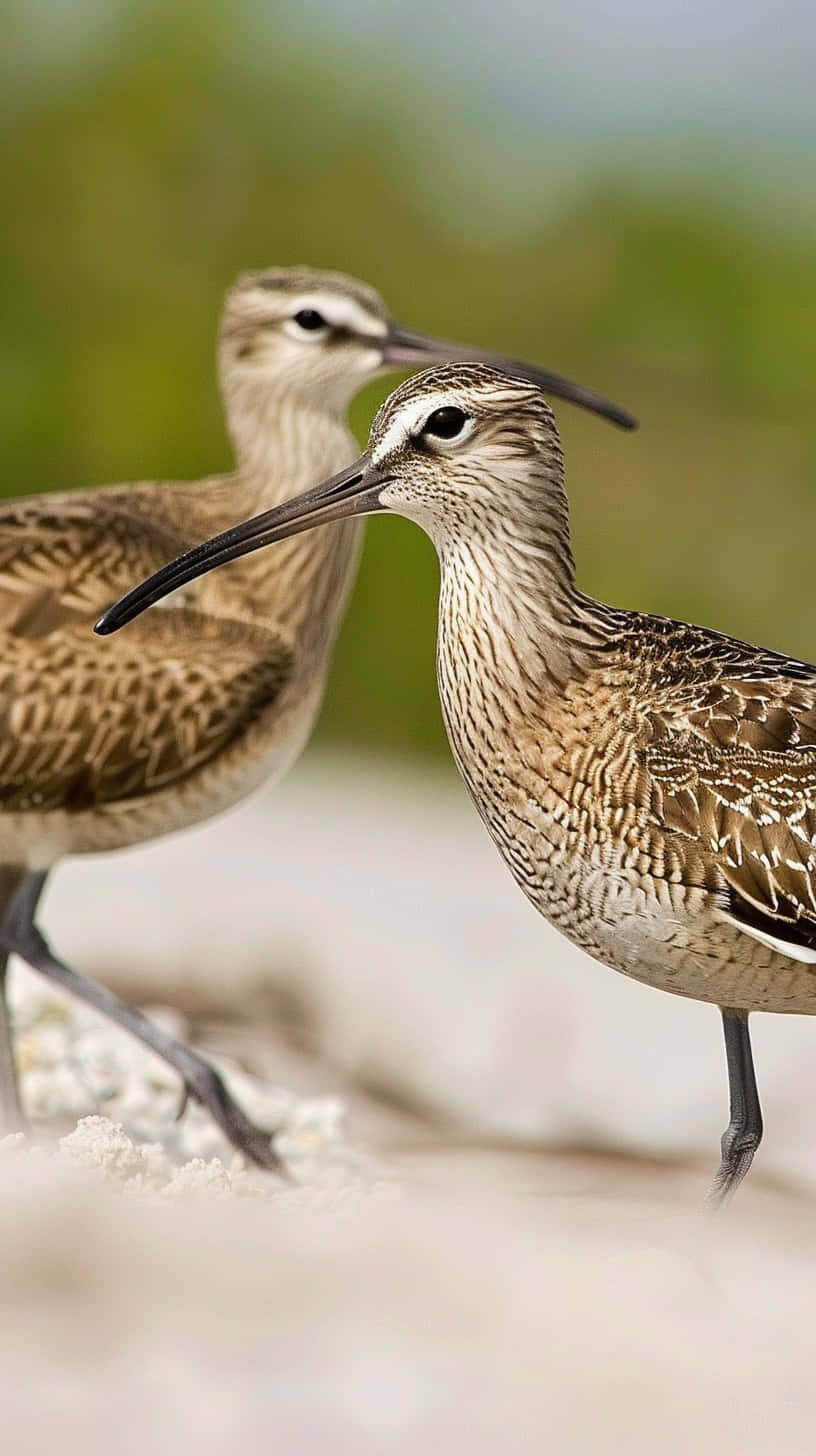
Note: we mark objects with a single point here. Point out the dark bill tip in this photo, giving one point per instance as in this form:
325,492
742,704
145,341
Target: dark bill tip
405,347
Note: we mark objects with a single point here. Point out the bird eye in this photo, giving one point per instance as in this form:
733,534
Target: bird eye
310,320
446,423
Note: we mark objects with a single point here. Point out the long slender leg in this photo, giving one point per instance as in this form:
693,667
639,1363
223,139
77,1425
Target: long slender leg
11,1111
18,933
743,1134
12,1118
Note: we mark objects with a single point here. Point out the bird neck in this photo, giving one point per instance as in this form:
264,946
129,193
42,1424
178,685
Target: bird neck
514,631
282,441
282,446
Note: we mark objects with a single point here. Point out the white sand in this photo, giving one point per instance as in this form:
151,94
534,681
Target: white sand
485,1309
383,904
409,1296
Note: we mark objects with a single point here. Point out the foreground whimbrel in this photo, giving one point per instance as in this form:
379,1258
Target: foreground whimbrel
651,785
110,745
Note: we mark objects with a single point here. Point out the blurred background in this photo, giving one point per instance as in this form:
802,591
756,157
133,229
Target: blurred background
624,195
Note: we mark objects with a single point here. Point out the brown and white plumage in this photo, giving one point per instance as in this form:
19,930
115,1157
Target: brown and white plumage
115,730
651,785
103,745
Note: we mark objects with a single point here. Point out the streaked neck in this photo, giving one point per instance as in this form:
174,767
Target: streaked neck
282,447
283,443
513,628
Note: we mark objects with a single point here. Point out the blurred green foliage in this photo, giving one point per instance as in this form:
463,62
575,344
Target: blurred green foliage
139,178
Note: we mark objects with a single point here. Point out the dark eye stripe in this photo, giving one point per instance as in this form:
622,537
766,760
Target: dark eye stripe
445,423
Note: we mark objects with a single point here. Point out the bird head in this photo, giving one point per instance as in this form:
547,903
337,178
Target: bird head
318,337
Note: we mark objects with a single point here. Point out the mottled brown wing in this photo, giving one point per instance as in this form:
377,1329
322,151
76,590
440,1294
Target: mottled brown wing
87,721
64,558
736,773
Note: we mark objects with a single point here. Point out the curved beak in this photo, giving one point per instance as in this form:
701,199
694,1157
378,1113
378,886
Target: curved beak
353,492
405,347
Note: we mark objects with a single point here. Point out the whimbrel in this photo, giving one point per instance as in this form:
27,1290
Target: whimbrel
651,785
106,745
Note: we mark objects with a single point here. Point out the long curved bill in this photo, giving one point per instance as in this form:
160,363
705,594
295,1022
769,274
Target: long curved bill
405,347
353,492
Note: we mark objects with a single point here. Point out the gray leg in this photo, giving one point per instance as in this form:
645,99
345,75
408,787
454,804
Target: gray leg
201,1081
743,1134
12,1118
11,1112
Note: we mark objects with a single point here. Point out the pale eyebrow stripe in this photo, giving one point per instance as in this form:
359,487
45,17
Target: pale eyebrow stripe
340,312
411,415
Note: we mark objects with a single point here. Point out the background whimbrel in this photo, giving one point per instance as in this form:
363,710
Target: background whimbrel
650,784
106,746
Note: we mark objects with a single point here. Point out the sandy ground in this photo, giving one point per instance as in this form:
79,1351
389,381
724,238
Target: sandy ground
368,913
493,1239
484,1306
